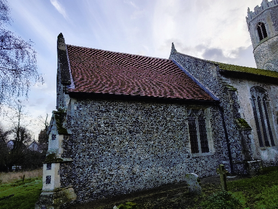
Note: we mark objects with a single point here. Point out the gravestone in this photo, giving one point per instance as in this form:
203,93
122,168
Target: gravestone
223,176
193,184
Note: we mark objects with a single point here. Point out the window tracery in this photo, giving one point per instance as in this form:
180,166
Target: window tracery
261,31
261,115
198,131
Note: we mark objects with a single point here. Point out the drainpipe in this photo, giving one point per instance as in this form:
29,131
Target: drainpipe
227,139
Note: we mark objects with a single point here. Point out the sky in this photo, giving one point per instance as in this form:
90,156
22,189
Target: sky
208,29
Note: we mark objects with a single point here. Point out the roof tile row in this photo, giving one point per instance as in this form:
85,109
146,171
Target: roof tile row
105,72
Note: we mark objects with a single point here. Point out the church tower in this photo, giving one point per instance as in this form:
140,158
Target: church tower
263,29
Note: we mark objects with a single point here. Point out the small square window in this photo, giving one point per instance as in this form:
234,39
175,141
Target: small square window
48,166
48,180
53,136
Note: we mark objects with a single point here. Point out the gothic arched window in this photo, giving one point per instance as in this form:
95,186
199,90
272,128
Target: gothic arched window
261,116
198,131
261,31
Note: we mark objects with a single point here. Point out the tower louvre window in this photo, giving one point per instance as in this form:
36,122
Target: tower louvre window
261,31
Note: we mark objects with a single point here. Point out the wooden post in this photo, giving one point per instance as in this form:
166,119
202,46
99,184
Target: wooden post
223,174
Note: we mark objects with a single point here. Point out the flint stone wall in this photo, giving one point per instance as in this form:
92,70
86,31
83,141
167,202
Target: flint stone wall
119,147
208,74
266,50
269,155
266,54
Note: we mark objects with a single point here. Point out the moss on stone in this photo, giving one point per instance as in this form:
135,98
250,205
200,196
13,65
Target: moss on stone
236,68
51,158
231,88
242,123
59,117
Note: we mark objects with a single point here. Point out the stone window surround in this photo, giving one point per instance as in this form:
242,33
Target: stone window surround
207,116
261,30
259,92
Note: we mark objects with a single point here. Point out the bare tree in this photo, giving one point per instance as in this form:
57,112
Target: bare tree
21,133
45,120
18,64
4,134
4,153
43,137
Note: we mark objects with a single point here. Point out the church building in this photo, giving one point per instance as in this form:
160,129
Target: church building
127,123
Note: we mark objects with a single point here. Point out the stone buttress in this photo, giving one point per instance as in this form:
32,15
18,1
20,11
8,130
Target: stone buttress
238,134
53,196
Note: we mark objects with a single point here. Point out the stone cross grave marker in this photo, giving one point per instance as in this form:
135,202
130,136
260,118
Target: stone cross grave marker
223,174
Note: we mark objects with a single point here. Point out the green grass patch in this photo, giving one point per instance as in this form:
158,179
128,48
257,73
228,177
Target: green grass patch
220,200
25,194
259,192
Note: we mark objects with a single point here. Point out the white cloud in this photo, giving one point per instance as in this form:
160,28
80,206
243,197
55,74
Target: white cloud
59,8
213,24
131,3
207,29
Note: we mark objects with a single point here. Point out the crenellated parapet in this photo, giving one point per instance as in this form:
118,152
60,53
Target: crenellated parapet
259,9
263,28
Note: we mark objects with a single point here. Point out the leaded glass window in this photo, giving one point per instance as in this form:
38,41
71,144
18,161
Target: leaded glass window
255,111
203,134
193,135
261,116
198,131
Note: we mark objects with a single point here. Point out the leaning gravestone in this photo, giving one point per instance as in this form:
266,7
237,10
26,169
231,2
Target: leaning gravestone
193,184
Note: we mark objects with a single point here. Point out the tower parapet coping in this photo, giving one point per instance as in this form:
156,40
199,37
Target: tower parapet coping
259,9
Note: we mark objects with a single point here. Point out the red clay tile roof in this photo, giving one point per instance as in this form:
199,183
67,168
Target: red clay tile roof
105,72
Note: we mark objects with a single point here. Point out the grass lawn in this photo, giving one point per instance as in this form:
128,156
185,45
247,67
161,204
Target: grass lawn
13,176
25,193
259,192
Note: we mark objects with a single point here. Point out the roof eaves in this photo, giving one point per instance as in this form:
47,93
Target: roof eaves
248,76
239,69
140,98
236,69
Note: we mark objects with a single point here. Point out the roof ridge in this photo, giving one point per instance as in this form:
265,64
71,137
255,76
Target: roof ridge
124,53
